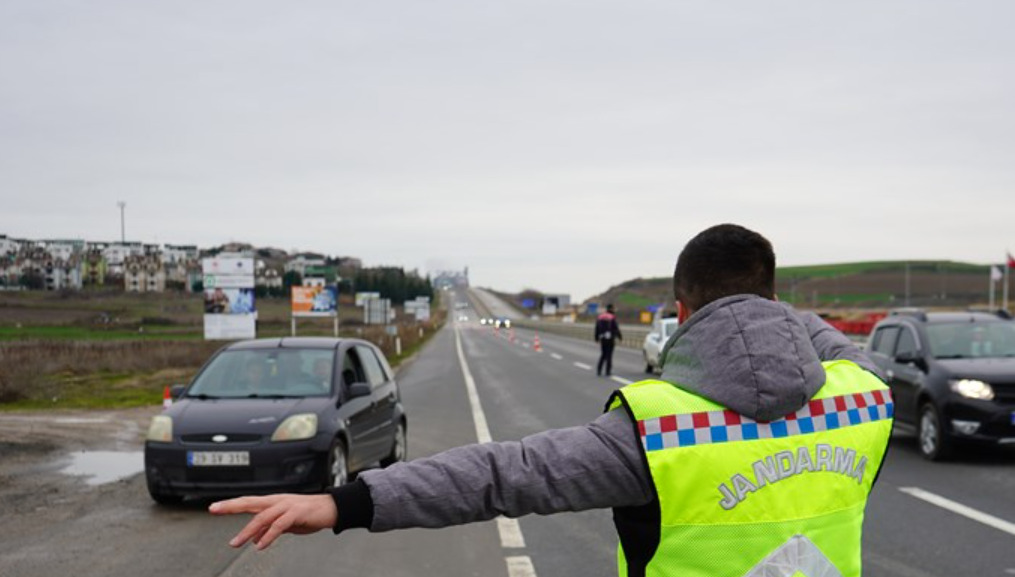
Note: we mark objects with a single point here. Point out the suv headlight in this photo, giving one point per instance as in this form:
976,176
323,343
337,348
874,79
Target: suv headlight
296,428
161,429
972,389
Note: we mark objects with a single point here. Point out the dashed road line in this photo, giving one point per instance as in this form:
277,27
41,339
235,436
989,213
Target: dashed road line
621,380
510,533
960,509
520,566
556,356
583,366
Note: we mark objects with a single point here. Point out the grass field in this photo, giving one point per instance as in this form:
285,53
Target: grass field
116,350
789,273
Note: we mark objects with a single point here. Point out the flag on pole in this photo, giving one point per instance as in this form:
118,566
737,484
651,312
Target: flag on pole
995,274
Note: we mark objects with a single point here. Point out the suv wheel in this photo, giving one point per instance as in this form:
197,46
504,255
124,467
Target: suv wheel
933,440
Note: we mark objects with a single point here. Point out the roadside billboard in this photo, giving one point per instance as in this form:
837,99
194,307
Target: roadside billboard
314,301
230,312
377,311
363,297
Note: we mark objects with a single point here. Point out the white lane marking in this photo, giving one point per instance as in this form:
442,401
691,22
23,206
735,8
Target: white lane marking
510,533
583,366
509,530
526,345
520,566
478,416
556,356
621,380
960,509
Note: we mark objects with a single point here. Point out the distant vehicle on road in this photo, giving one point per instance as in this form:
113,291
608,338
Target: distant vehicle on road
270,415
502,323
662,329
952,376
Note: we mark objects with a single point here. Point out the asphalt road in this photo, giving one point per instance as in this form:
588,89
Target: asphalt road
521,391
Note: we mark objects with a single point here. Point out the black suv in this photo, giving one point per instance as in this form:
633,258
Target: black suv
952,375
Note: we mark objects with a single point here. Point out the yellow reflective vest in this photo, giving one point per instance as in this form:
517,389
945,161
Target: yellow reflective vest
742,498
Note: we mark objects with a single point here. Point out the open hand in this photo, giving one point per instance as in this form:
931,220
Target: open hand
278,514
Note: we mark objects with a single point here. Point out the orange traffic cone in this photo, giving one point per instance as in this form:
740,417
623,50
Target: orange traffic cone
535,344
167,399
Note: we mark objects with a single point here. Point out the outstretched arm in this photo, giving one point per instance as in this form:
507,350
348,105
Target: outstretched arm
598,465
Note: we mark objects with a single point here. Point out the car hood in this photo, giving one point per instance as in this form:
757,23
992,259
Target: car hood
985,369
258,416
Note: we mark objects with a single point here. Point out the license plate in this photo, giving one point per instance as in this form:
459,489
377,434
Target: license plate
218,458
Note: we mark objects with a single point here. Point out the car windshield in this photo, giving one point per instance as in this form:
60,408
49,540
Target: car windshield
971,340
267,373
669,329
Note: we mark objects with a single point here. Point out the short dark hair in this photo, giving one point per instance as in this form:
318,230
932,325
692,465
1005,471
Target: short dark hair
724,260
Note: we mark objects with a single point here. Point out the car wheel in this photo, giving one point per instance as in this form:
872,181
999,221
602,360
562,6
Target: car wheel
401,448
648,365
338,465
934,441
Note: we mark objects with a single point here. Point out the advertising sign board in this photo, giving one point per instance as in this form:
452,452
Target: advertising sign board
229,309
377,311
365,296
314,301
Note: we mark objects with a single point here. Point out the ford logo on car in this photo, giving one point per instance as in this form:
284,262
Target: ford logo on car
220,438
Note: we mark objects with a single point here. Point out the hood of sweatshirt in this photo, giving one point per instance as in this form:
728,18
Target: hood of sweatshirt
747,353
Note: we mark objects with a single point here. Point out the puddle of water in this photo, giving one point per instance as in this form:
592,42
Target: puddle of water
100,467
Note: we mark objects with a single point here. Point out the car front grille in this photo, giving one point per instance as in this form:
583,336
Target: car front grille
1004,392
221,475
231,438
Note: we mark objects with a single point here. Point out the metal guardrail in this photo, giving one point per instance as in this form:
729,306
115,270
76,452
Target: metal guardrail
634,335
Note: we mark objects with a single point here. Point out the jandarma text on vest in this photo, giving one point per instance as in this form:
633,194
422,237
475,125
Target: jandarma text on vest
783,464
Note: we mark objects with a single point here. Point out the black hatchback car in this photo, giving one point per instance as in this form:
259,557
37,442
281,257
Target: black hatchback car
952,376
291,414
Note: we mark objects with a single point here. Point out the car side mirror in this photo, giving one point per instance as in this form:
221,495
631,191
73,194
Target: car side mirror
176,391
911,358
359,390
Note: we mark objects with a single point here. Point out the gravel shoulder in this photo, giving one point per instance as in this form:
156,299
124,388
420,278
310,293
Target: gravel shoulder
35,446
56,523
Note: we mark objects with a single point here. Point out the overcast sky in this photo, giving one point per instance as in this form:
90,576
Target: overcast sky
565,146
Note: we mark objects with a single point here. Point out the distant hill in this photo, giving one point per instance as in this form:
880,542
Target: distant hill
859,285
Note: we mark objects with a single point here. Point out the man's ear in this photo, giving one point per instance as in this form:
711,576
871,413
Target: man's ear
682,312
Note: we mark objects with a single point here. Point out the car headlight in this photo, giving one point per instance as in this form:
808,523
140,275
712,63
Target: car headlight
161,429
972,389
296,428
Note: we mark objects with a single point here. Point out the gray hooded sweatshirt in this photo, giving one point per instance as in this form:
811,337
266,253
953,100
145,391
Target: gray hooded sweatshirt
755,356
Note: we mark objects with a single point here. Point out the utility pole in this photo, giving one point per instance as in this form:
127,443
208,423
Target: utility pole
123,229
907,284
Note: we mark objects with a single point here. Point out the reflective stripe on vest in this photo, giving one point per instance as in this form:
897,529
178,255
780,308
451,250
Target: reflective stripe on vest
737,497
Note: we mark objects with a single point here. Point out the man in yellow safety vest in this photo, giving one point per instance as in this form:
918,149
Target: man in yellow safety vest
752,455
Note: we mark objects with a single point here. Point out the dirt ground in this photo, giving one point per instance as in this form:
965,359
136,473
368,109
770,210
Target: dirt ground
35,446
